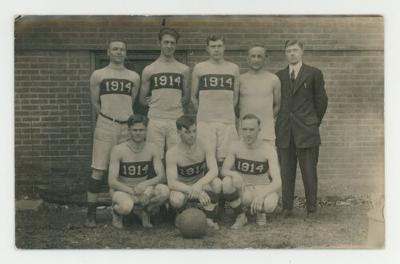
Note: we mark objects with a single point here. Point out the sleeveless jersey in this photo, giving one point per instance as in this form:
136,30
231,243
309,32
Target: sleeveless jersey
166,87
252,164
191,167
136,167
216,88
116,92
256,97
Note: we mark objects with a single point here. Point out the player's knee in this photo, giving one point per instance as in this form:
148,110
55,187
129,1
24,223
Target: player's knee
161,192
123,203
246,198
271,202
177,199
227,185
216,185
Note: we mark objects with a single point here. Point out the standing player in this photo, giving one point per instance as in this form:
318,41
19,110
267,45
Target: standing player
165,90
246,181
260,93
113,90
215,90
129,176
188,178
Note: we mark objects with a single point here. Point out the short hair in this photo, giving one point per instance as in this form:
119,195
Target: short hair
138,119
291,42
252,116
116,40
258,45
185,121
168,31
215,37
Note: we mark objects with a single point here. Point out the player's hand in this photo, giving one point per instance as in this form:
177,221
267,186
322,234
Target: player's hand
140,188
204,199
131,191
257,205
196,191
147,100
144,199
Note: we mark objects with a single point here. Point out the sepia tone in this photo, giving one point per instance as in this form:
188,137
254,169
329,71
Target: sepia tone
54,122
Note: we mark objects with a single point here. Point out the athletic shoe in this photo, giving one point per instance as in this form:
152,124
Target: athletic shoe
117,220
261,219
212,224
240,221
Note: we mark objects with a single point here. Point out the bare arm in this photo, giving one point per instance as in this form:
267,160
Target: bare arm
186,88
195,89
113,173
172,175
144,88
229,163
159,170
277,96
212,169
236,87
274,169
95,92
136,88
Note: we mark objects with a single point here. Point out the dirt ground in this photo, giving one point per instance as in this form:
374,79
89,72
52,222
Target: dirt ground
341,223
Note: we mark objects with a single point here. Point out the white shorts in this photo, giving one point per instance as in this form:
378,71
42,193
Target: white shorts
107,134
162,132
218,136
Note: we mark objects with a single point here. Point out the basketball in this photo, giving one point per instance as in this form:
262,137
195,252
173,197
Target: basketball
192,223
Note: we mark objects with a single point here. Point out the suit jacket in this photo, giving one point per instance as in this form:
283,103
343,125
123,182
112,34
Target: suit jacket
302,107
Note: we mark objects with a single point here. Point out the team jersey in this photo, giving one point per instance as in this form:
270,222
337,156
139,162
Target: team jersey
252,164
116,87
166,88
191,167
257,97
216,90
136,167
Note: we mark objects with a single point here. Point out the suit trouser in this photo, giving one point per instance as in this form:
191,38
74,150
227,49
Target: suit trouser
308,159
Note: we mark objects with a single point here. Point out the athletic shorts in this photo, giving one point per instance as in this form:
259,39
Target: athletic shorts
107,134
162,132
217,136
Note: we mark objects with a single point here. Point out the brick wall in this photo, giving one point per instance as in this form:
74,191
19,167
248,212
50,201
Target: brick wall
53,62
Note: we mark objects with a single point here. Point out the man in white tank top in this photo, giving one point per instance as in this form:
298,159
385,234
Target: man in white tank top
215,90
165,90
260,92
135,176
113,90
246,182
192,172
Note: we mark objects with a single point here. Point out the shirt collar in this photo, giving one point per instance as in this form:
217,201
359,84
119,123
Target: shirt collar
295,67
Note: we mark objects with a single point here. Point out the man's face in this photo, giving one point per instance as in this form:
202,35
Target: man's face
117,52
250,130
256,58
138,132
294,54
168,45
188,136
216,49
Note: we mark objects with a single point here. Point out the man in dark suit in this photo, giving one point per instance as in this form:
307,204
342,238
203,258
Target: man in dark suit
304,102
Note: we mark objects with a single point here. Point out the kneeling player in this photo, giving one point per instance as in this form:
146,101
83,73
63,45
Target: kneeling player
131,166
186,172
246,182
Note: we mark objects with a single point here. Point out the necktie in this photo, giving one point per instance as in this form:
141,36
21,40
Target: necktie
293,76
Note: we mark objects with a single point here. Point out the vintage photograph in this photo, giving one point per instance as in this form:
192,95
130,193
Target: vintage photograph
199,132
